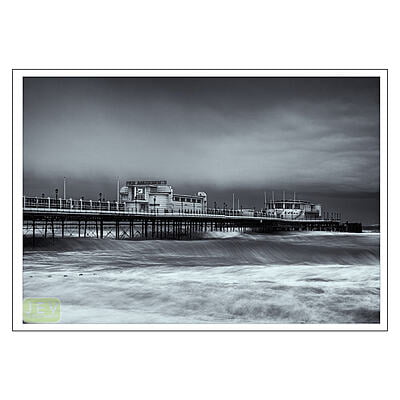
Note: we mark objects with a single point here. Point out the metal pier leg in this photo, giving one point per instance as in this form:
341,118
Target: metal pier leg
97,230
62,229
85,227
101,229
33,232
45,228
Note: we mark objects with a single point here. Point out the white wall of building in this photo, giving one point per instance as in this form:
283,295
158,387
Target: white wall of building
161,198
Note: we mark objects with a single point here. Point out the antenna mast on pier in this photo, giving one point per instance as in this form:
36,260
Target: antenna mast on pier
118,189
65,188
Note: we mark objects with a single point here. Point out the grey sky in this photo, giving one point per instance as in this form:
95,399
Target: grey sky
312,135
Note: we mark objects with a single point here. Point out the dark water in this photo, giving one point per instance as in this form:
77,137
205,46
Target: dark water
311,277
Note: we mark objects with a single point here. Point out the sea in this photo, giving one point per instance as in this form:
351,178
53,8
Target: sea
224,278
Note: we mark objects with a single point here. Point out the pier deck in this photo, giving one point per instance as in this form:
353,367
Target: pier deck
75,218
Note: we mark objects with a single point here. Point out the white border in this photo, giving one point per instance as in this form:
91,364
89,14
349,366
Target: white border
18,76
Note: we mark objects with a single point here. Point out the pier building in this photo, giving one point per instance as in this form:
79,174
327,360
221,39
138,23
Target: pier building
293,209
159,197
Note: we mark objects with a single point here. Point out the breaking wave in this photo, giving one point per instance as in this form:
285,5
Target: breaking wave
230,278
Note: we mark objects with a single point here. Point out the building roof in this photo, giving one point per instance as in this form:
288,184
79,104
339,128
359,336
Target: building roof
188,195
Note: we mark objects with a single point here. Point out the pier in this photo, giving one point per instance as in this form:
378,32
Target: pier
59,218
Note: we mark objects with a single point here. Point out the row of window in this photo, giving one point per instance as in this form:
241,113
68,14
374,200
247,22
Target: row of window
186,199
287,205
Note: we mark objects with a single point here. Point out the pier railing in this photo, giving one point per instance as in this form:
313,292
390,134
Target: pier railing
72,206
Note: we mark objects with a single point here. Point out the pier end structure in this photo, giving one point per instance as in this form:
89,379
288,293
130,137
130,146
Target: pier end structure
292,209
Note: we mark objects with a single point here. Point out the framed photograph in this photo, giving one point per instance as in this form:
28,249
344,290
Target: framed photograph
219,200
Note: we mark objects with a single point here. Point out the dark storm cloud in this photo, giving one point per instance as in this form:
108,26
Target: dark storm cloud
303,134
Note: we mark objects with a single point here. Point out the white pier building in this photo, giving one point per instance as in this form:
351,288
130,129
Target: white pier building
159,197
293,209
